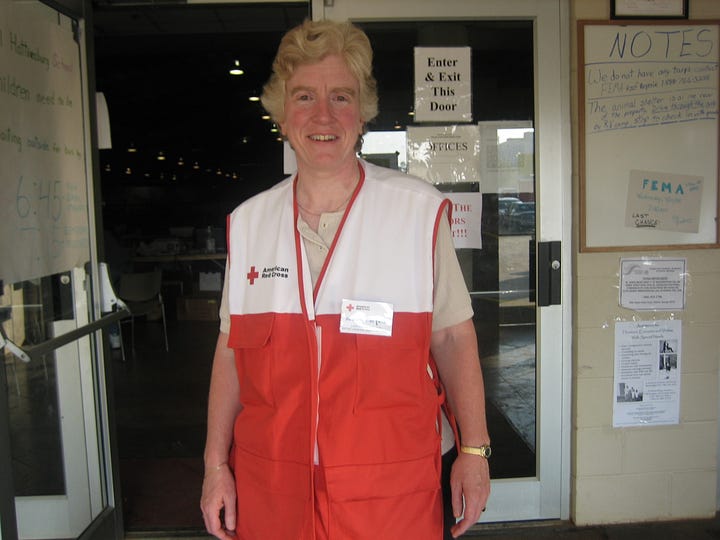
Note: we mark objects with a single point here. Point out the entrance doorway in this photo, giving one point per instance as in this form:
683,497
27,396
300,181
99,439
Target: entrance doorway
522,171
518,115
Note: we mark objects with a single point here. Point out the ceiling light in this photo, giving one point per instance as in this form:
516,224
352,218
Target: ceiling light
161,156
132,148
265,117
235,70
254,98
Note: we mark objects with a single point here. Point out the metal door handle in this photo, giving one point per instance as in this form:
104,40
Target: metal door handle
549,273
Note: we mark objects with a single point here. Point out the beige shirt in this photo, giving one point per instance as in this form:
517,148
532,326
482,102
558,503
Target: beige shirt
451,303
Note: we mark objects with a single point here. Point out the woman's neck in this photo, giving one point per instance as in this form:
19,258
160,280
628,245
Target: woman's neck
317,194
328,192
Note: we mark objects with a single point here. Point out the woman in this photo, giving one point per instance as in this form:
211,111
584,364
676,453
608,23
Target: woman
342,298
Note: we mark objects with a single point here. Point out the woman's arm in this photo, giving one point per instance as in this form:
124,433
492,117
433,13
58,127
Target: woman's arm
218,493
456,354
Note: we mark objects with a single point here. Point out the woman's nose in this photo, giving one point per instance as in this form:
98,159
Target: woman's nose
323,108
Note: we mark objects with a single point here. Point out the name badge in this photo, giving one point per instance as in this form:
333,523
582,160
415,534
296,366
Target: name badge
371,318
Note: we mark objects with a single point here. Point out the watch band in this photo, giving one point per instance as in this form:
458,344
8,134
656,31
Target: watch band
483,450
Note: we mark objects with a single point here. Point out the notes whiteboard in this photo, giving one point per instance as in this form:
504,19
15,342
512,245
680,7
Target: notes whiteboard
43,181
648,118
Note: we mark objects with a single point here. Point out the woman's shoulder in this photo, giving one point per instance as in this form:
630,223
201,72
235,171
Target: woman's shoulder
398,180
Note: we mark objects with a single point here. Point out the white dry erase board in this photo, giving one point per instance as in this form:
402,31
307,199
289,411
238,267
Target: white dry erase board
44,143
648,133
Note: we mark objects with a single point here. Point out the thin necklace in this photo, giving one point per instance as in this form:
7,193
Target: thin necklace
342,204
317,214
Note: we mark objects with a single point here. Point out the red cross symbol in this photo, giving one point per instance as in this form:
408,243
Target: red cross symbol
350,307
252,275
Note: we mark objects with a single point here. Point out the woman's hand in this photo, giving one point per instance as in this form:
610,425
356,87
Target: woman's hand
218,502
470,484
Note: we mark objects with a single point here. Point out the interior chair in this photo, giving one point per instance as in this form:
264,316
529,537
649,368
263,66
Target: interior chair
141,294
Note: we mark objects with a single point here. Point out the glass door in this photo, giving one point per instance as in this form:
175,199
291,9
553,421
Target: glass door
506,169
57,463
54,411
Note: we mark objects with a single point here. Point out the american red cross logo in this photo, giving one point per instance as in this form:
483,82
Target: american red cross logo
252,275
350,307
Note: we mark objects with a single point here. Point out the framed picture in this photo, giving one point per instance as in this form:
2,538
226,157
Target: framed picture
649,9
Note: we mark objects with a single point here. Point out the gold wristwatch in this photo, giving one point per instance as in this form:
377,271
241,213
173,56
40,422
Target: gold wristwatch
484,450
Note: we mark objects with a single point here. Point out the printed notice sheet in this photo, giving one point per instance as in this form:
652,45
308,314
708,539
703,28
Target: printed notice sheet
647,373
444,154
653,284
466,220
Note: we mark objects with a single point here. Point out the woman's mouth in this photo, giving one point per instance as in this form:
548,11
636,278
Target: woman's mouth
323,137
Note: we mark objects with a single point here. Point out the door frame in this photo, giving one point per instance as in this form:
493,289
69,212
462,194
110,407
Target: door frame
548,495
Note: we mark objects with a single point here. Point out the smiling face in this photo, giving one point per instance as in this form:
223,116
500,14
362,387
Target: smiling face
322,116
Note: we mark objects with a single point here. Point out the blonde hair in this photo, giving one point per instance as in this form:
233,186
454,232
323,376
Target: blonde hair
311,42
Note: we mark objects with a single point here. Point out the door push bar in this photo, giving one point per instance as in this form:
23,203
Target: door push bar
114,309
549,272
36,351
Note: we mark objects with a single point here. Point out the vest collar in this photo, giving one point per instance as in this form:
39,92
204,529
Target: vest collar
298,239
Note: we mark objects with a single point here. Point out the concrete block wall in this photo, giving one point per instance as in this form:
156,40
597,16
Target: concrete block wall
641,473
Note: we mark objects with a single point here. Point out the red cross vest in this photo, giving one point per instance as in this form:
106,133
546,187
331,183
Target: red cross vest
363,404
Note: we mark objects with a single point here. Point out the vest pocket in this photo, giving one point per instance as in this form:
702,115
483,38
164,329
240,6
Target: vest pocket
273,498
389,372
392,500
250,339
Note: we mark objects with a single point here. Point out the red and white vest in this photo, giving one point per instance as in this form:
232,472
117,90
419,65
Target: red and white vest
366,403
